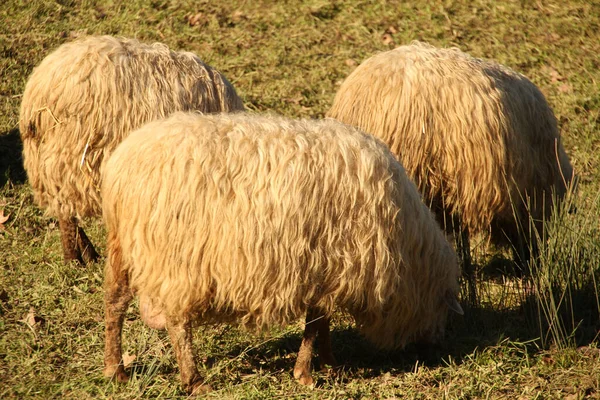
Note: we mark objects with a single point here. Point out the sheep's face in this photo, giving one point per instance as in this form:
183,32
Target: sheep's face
446,304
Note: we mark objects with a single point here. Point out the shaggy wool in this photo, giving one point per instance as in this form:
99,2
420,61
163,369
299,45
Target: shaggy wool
257,218
478,139
88,95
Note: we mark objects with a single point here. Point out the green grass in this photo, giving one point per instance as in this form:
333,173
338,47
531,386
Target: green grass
289,58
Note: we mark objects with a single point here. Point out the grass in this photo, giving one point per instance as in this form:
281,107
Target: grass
289,58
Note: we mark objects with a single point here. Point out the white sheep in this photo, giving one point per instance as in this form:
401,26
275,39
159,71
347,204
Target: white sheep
478,139
84,99
263,220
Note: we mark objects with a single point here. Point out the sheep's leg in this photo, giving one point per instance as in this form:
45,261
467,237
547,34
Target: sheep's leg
85,247
325,351
464,249
180,332
68,234
117,296
302,367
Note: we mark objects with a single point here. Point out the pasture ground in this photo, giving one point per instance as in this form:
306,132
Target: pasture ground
289,58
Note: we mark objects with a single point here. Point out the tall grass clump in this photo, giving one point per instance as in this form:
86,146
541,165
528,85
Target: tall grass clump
563,297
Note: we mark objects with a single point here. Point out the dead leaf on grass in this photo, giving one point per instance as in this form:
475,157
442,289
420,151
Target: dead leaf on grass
3,219
196,19
565,88
77,290
589,351
128,359
32,320
548,360
553,37
350,62
555,76
387,39
78,33
238,16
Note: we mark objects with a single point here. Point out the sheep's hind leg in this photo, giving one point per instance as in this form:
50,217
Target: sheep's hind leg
464,249
325,351
86,249
117,296
302,367
180,332
68,235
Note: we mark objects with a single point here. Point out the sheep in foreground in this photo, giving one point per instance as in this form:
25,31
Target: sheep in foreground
263,220
84,99
478,139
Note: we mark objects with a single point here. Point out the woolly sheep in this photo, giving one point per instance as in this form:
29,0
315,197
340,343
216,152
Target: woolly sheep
262,220
80,103
478,139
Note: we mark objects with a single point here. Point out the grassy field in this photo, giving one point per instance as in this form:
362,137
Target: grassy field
289,58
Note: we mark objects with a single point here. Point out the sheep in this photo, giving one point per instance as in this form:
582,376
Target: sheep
478,139
84,99
259,220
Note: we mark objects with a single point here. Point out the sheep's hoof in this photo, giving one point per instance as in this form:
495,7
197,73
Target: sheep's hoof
117,373
199,389
303,377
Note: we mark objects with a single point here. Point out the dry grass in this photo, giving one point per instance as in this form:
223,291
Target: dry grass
289,58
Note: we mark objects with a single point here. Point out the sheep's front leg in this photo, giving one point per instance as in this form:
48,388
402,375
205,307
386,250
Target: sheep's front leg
302,367
117,296
180,332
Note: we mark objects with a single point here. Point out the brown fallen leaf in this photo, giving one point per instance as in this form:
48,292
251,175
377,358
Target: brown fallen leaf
387,39
555,76
77,33
32,320
589,351
553,37
237,16
3,219
548,360
565,88
196,19
128,359
350,62
392,30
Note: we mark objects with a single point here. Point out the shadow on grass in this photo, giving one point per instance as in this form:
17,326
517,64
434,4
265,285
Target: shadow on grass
358,357
479,329
11,160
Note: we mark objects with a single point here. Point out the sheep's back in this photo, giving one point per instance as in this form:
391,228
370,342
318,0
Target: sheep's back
85,97
474,136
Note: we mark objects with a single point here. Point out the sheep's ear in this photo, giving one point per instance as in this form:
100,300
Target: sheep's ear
453,303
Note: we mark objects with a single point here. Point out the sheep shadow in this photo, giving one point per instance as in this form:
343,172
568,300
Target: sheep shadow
11,160
357,357
480,329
